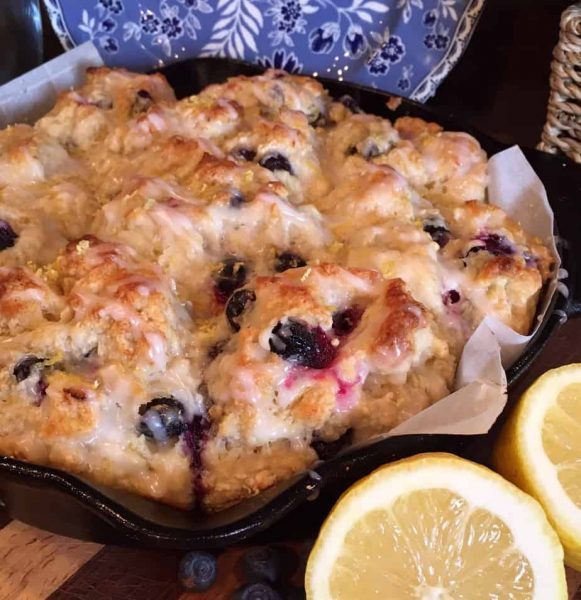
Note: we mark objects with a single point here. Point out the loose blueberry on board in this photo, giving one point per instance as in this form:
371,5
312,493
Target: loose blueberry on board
244,154
438,231
198,571
162,419
327,450
256,591
451,297
345,321
8,236
262,564
230,277
236,306
24,367
350,103
288,260
296,342
276,162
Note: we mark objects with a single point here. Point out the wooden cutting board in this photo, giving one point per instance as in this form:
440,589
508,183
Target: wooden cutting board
35,565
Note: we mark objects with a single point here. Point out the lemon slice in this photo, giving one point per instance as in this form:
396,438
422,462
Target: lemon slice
539,449
435,527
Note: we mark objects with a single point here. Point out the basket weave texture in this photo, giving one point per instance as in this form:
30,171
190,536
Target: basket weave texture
562,130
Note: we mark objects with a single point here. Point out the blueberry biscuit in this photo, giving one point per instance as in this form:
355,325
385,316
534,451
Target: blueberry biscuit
200,298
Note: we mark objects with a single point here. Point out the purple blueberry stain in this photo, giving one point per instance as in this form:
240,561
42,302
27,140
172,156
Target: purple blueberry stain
530,259
8,236
195,438
495,244
302,345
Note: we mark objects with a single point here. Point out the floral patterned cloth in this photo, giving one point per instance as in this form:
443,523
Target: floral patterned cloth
402,46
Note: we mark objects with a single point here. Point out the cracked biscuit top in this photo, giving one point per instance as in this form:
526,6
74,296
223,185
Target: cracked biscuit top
200,298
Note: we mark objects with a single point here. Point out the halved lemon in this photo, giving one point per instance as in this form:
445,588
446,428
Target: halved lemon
539,449
435,527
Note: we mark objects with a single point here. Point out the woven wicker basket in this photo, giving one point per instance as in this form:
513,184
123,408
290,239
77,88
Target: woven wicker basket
562,131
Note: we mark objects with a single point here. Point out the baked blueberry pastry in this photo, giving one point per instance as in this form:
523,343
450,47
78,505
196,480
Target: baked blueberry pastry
200,298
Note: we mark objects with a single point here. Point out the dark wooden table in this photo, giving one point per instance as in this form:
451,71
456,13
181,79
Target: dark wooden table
500,87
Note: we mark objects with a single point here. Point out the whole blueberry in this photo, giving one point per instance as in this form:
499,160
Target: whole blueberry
345,321
437,230
288,260
297,343
244,154
276,162
24,367
8,236
162,419
350,103
197,571
451,297
237,199
142,102
236,306
230,276
256,591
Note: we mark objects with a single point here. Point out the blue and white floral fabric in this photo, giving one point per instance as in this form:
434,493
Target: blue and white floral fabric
402,46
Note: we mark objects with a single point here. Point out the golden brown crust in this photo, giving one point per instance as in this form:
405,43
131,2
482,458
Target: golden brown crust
365,253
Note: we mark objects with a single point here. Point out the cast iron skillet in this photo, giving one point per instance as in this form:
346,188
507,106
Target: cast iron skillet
64,504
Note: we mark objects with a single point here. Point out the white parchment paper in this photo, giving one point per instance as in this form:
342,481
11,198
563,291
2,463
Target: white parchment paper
480,392
28,97
481,381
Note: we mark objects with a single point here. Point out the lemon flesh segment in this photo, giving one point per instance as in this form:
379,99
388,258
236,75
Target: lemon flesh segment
436,527
561,435
430,544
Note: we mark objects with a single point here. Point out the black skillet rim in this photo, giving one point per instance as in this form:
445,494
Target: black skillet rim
133,527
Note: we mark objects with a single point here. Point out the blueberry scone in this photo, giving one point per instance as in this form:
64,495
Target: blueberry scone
201,298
